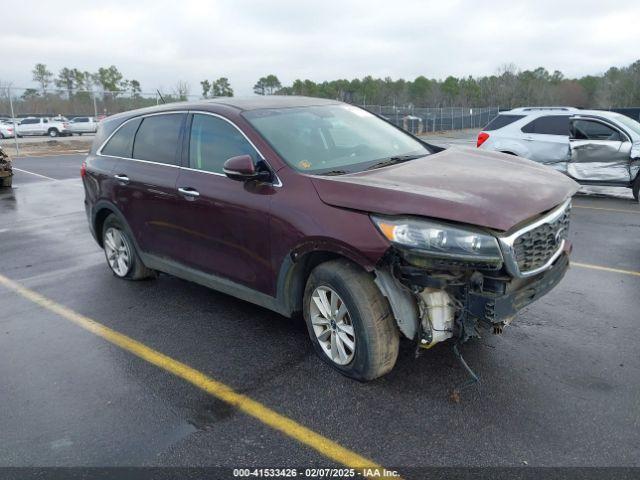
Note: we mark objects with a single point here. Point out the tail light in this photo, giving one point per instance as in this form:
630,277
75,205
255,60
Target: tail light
83,170
482,137
65,125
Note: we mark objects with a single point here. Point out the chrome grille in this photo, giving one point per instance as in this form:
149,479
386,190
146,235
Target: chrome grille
534,248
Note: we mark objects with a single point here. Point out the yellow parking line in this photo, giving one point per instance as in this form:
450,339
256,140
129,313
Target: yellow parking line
605,269
607,209
275,420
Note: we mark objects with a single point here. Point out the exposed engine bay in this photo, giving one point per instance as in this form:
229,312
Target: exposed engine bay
434,299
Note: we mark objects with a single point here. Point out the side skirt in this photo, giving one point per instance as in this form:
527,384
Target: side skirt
214,282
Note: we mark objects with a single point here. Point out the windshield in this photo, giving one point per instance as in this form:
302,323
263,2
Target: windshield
630,124
333,139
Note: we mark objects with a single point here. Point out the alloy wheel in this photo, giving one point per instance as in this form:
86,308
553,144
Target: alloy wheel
332,325
116,248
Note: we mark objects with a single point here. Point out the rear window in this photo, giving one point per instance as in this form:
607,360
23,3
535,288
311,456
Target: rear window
501,121
549,125
121,143
157,138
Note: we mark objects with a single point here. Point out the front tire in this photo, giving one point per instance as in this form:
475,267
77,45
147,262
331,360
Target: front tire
120,251
6,182
636,188
349,321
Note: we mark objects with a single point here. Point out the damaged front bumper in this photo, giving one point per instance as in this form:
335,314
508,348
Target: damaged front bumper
432,307
498,301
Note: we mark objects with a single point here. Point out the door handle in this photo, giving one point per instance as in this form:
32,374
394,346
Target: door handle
528,139
122,178
189,192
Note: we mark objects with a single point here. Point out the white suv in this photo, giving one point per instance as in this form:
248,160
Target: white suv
594,147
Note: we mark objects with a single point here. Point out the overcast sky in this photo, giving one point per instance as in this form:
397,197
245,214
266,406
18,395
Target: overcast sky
160,43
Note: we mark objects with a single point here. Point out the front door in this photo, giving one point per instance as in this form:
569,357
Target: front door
29,126
598,152
224,224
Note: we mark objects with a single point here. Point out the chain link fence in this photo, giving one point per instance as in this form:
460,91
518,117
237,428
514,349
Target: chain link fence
424,120
28,102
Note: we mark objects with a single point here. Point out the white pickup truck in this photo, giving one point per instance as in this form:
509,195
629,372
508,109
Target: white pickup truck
80,125
42,126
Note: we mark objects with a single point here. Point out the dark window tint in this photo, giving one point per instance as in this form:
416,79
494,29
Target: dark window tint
501,121
81,120
548,125
213,141
157,139
29,121
121,144
589,130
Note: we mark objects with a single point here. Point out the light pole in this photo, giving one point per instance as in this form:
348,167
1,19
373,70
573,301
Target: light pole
13,119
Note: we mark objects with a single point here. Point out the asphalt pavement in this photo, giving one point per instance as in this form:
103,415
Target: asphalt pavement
560,387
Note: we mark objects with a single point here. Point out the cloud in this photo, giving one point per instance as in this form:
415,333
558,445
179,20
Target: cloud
161,42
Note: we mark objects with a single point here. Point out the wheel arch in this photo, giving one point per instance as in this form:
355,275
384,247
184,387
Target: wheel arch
298,264
100,213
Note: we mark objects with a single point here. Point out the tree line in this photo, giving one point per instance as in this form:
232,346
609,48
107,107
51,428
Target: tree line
508,87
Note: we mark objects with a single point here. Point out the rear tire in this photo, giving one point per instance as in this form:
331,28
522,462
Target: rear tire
53,132
372,350
120,251
636,188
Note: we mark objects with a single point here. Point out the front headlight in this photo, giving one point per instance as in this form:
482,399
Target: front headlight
439,239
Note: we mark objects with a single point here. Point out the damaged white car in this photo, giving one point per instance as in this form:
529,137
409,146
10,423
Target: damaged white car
593,147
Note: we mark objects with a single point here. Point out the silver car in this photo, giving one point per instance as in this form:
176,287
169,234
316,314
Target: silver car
6,130
594,147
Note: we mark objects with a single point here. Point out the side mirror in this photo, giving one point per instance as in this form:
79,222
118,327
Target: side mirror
243,169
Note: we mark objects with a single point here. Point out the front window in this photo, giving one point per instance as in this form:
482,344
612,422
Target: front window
333,139
629,123
213,141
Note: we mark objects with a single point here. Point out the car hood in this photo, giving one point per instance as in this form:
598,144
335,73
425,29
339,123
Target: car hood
466,185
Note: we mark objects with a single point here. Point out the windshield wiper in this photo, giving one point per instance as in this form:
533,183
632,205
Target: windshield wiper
393,160
334,172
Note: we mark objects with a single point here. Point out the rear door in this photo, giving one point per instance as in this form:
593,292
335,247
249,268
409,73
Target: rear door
547,139
224,223
42,126
598,151
80,124
146,182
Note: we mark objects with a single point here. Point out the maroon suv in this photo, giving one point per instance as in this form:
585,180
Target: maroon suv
312,206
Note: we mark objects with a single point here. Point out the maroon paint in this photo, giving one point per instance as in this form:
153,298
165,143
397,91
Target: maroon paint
244,231
465,185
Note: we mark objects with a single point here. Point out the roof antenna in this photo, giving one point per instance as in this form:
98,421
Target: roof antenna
160,95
